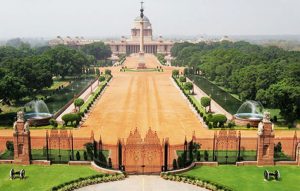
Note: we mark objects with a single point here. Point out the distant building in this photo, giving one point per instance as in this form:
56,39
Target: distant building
131,45
126,45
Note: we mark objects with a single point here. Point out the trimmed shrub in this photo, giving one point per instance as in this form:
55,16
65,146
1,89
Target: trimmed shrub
53,123
248,125
182,79
188,86
175,73
77,155
210,125
206,155
205,101
201,114
101,78
78,102
219,119
174,164
85,156
71,117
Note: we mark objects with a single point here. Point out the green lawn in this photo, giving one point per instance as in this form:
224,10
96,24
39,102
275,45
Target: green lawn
40,178
249,178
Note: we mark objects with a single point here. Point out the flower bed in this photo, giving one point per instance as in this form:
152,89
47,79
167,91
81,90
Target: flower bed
90,180
196,181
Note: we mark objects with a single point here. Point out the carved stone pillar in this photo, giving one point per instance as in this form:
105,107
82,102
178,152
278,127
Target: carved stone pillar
21,137
265,152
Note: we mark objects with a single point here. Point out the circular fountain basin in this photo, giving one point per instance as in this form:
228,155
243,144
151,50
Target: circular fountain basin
38,119
244,118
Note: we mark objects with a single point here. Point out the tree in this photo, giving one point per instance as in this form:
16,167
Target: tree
97,49
206,102
78,103
90,150
188,86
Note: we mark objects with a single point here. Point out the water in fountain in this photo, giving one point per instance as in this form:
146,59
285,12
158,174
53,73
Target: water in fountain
36,109
250,110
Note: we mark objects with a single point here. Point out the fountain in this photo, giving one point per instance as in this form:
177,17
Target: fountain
37,113
249,112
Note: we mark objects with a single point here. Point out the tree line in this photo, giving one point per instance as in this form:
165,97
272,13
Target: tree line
267,74
26,71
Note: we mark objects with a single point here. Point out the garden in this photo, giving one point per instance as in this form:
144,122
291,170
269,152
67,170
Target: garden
247,178
42,177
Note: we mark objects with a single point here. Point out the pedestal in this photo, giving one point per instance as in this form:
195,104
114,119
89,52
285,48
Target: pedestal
21,144
141,64
265,152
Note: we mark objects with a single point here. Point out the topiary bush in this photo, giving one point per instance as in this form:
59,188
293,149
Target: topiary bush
248,125
53,123
219,119
78,102
101,79
205,102
71,117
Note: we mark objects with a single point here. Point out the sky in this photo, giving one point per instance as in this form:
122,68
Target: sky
107,18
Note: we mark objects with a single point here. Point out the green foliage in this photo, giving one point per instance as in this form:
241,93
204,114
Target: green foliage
253,72
90,150
188,86
248,125
85,156
86,181
182,79
219,119
101,78
77,155
206,155
78,102
175,73
107,72
174,164
71,117
278,148
53,123
205,101
98,50
10,146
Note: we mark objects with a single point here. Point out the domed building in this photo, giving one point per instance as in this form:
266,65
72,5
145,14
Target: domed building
132,44
126,45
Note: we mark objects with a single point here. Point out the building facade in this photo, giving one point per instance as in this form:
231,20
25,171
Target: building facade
125,45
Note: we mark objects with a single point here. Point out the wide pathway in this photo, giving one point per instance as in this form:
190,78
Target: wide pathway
85,95
143,183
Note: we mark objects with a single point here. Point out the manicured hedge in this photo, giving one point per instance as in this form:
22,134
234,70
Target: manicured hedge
83,182
71,117
196,181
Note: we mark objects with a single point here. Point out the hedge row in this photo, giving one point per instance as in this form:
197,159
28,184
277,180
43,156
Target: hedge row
90,180
196,181
86,107
212,121
188,97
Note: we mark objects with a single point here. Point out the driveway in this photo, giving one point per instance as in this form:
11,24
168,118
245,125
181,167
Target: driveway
143,183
